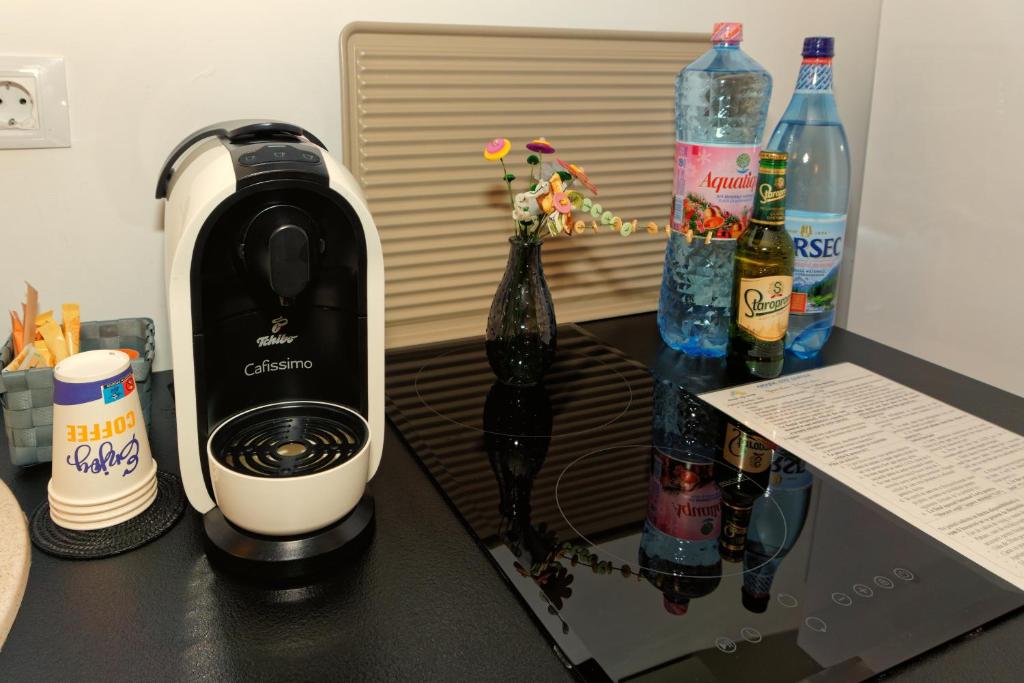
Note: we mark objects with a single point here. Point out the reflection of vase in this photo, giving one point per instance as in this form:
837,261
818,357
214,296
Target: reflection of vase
521,329
517,424
679,545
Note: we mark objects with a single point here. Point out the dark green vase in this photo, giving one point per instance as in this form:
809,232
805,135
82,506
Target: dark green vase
521,328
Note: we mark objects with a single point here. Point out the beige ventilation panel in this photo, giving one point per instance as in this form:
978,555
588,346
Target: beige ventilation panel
419,103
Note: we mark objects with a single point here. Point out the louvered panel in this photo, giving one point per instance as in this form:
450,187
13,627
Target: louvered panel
420,101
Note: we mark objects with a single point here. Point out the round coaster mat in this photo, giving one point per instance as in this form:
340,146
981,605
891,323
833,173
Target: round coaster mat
120,538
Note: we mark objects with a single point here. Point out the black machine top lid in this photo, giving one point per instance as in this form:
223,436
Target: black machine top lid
240,130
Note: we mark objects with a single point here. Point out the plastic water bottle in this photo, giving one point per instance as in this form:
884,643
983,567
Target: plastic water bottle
721,105
818,186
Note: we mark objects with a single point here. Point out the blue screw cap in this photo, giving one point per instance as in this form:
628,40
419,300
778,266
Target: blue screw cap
819,46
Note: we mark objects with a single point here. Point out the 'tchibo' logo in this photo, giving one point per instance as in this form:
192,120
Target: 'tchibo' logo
275,338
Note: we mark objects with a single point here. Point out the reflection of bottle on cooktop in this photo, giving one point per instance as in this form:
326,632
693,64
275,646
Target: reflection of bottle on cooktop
769,540
681,420
742,474
679,545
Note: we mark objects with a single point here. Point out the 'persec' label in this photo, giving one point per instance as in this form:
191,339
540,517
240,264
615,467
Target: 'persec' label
818,242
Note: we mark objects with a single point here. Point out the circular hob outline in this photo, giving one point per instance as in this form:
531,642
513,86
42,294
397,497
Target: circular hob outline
604,549
625,382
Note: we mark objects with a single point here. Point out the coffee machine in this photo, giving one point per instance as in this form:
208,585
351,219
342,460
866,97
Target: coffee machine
275,290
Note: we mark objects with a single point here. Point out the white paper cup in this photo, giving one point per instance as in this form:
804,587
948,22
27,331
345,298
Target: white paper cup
102,471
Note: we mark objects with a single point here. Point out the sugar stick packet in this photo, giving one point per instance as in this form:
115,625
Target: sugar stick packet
71,317
29,311
18,360
32,359
44,353
54,339
17,333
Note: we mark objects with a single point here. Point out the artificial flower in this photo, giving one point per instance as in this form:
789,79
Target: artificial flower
562,203
540,146
526,205
579,174
496,149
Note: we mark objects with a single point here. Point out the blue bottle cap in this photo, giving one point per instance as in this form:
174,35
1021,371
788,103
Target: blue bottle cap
819,46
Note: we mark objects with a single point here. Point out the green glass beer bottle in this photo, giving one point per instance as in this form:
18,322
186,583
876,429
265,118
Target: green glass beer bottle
763,276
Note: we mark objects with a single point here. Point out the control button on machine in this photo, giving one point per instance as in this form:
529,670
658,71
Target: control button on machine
310,158
862,590
248,159
842,599
903,574
787,600
883,582
750,634
726,645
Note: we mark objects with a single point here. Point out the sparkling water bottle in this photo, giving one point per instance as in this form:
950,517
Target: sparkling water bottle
721,104
818,181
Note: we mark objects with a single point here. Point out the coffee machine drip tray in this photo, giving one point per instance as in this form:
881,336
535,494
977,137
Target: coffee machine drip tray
288,479
289,440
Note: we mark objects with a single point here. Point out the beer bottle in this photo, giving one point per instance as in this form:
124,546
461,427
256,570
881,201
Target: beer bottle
763,276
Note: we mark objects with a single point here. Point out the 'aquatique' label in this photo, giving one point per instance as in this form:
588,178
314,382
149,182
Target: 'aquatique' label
713,188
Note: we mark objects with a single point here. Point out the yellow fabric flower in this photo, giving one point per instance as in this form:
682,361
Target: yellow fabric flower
496,149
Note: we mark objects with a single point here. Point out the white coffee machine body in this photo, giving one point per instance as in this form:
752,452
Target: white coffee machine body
275,287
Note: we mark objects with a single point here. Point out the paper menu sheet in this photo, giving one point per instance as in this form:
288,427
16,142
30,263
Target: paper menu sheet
950,474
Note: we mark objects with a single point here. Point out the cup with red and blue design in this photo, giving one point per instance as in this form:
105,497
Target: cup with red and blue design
102,472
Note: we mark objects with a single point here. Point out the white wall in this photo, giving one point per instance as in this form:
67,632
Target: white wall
939,257
82,224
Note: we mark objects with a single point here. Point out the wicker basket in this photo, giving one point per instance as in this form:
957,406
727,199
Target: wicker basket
27,396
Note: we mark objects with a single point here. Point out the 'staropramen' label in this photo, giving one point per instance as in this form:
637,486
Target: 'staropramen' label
764,306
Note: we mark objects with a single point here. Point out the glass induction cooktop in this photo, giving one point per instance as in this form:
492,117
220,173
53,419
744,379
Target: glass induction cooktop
655,539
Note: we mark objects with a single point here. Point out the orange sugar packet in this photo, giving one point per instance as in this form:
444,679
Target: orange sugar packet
43,317
132,353
54,339
72,319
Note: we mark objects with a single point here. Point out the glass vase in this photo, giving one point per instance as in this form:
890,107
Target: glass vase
521,328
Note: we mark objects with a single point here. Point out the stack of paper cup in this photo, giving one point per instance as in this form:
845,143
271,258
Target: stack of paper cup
103,472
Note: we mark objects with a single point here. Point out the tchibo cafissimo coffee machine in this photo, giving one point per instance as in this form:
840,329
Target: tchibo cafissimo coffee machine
275,289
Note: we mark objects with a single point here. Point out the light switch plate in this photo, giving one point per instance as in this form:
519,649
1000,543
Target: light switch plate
33,102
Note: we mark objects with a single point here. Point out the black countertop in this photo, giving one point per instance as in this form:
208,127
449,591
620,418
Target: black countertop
422,602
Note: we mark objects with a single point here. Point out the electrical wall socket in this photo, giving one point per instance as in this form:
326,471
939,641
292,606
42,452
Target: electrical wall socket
18,103
33,102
